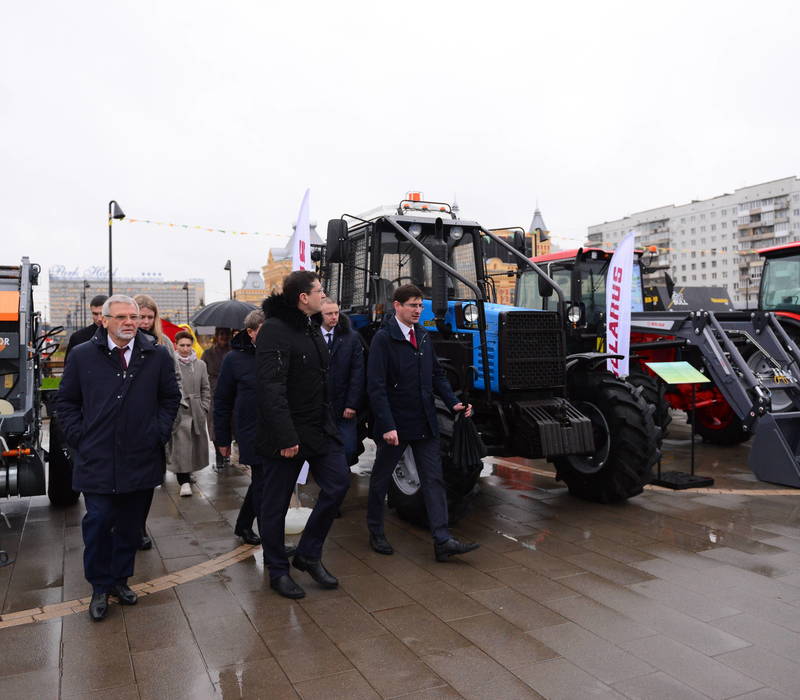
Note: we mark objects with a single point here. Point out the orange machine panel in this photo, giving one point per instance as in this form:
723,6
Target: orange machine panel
9,306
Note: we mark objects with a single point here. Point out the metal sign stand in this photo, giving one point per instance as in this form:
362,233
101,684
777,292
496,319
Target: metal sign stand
672,373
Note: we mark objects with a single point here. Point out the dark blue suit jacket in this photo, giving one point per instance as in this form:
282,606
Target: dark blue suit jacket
117,423
402,381
346,369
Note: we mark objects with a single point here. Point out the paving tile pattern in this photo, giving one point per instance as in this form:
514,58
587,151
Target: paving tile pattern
672,595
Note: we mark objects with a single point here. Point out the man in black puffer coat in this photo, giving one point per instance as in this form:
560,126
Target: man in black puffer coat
296,425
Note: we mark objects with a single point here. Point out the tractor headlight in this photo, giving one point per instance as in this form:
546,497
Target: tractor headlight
415,229
574,314
456,233
470,314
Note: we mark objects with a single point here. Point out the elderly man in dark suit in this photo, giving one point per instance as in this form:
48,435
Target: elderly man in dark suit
402,377
117,402
296,425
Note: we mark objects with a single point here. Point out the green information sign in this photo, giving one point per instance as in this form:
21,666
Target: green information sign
677,372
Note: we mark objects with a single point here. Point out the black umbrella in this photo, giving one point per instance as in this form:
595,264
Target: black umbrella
467,448
223,314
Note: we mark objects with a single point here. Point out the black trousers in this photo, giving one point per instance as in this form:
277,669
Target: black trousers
112,532
251,506
332,475
429,468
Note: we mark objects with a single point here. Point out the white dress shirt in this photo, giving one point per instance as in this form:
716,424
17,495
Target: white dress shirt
403,327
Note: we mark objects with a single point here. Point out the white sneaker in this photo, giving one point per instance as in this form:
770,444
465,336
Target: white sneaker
186,489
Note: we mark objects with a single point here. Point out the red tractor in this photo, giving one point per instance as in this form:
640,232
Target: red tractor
581,274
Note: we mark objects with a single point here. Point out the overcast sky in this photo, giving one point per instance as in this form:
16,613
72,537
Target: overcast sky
221,114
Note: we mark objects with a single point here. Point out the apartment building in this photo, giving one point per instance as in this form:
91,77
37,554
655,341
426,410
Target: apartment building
714,242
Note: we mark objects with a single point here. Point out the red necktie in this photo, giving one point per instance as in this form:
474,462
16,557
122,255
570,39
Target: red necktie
412,338
121,354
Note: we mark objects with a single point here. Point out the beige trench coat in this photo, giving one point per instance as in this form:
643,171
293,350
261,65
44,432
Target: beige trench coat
189,451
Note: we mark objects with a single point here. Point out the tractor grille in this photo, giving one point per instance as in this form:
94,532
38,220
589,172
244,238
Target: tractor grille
531,350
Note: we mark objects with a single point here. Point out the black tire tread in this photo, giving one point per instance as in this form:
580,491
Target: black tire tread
634,440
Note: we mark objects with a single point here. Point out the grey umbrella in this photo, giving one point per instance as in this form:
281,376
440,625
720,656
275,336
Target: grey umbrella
223,314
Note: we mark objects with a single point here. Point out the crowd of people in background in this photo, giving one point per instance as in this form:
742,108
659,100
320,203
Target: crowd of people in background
295,385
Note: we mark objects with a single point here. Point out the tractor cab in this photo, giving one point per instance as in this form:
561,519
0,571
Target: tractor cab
780,283
581,275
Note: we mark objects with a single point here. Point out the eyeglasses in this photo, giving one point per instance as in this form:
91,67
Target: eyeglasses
413,306
317,291
124,317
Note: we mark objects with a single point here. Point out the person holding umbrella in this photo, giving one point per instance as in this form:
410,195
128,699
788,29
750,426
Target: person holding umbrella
213,358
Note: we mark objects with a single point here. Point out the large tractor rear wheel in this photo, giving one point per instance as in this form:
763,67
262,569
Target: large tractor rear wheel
405,492
653,392
625,437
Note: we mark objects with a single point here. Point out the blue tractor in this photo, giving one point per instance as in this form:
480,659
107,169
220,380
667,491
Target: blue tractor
531,400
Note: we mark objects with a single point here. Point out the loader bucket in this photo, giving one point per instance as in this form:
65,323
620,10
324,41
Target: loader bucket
775,450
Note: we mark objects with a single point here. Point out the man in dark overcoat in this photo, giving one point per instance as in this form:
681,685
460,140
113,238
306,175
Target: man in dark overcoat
84,335
402,377
117,402
296,425
345,374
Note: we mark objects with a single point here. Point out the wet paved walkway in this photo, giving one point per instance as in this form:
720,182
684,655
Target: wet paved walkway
672,595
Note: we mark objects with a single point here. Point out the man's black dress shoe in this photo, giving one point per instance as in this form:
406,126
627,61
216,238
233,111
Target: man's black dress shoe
380,544
247,534
146,543
286,586
125,594
98,607
445,550
315,569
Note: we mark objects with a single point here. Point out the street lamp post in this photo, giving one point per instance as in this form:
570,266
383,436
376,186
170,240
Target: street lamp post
186,289
114,212
230,278
86,286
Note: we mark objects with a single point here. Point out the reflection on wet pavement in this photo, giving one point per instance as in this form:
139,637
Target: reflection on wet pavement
673,594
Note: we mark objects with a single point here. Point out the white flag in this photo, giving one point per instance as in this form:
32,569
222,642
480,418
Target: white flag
301,260
301,239
618,305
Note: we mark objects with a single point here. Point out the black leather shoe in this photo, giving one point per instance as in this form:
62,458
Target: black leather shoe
247,534
380,544
98,607
146,543
125,595
286,586
290,550
316,571
445,550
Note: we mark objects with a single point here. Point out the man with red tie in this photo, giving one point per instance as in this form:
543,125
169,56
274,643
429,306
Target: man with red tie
402,377
117,402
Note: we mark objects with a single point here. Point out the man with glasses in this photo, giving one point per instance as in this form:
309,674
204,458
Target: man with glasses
403,375
117,402
296,425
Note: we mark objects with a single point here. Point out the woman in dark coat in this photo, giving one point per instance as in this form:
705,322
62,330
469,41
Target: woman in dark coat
235,403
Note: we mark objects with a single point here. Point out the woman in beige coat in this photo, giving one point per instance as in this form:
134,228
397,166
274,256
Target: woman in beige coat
190,437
